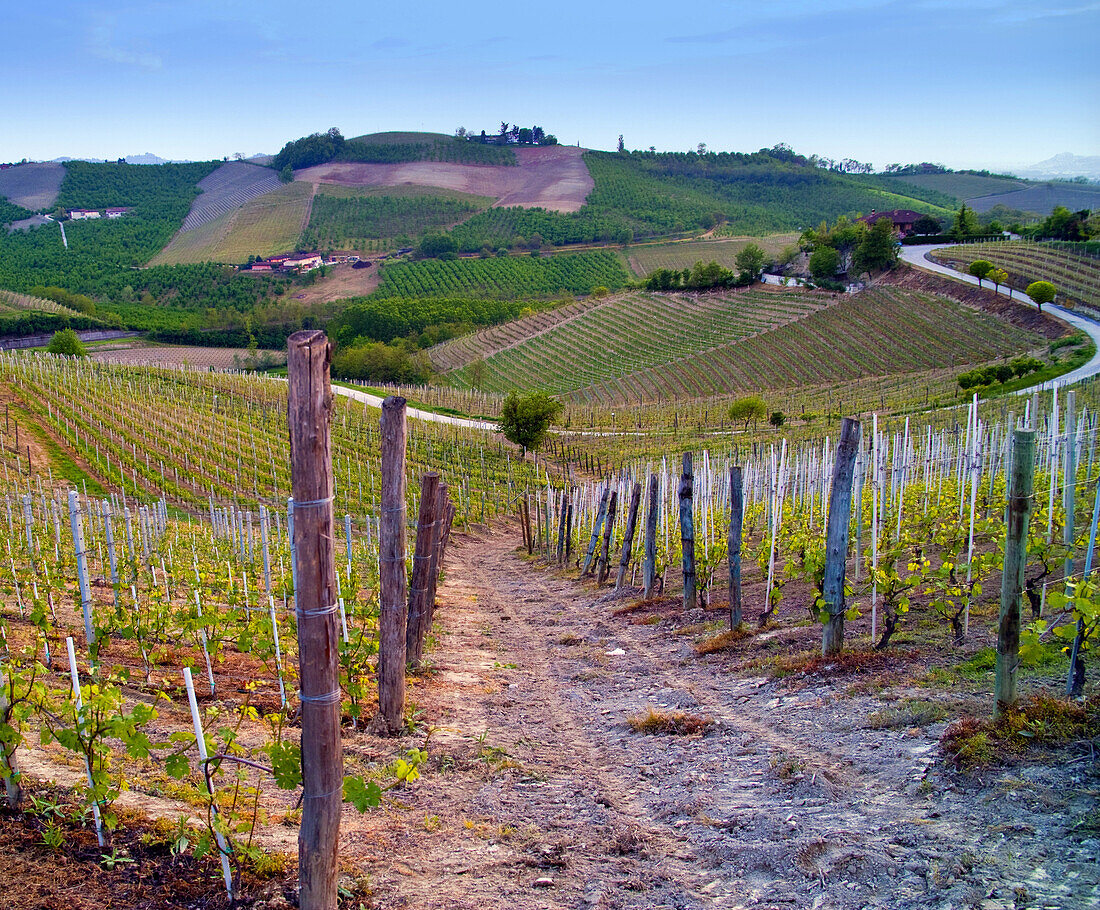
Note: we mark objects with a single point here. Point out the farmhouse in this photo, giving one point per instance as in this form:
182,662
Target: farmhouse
115,213
903,219
83,214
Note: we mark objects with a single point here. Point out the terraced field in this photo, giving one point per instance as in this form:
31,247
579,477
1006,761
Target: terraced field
12,304
1076,277
756,339
263,226
228,188
626,335
645,259
879,332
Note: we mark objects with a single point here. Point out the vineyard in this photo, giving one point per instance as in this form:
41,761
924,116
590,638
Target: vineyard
227,189
262,226
12,304
397,148
1077,277
650,257
744,341
964,186
507,276
347,222
163,585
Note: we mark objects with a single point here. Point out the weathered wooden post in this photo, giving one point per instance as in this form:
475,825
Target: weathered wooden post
561,527
687,533
309,406
649,561
628,534
608,531
392,619
528,538
600,515
444,515
836,537
427,526
1015,564
737,517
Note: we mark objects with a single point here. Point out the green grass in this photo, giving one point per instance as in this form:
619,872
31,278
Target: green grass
62,464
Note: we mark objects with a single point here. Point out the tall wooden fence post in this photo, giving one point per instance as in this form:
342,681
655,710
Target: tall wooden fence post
628,534
737,517
604,562
1015,563
600,515
393,611
649,561
309,407
427,530
836,537
687,532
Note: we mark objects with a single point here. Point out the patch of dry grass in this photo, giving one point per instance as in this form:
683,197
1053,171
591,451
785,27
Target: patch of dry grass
671,723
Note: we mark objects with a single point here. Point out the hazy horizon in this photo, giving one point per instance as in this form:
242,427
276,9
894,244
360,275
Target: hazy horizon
995,84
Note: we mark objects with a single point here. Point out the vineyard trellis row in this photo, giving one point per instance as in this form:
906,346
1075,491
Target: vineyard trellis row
929,521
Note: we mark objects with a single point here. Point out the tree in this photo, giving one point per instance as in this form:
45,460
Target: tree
750,261
622,145
477,373
435,245
878,249
525,419
824,263
966,223
979,268
998,277
926,224
748,409
66,342
777,419
1041,292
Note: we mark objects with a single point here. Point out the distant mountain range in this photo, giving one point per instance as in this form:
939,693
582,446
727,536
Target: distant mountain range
1064,165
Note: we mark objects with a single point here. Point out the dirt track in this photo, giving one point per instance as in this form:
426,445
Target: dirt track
553,178
538,795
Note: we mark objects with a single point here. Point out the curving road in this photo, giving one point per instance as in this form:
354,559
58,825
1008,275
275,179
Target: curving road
375,401
918,256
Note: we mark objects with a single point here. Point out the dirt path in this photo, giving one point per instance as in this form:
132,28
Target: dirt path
540,796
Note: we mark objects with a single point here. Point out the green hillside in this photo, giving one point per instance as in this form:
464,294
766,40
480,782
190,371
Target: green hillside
964,186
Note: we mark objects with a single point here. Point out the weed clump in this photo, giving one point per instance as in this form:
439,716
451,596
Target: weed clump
724,641
671,723
1040,721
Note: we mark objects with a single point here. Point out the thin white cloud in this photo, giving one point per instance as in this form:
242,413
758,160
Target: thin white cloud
1031,14
101,44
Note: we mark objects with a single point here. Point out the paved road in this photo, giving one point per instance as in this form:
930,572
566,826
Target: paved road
917,256
375,401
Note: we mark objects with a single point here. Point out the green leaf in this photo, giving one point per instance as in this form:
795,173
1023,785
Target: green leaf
362,794
286,763
177,766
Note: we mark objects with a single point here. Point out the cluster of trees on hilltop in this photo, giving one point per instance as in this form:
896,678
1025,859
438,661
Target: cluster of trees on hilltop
849,246
513,134
317,148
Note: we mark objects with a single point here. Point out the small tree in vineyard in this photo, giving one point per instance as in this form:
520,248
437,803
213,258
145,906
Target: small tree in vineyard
525,419
1041,292
980,268
749,409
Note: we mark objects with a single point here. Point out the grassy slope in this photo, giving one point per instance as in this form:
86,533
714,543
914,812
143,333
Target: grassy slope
263,226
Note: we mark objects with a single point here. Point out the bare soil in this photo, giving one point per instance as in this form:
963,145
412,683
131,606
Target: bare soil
539,794
553,178
341,282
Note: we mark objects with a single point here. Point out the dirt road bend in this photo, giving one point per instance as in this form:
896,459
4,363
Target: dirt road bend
539,795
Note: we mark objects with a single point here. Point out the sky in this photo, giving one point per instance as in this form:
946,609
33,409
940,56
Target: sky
968,83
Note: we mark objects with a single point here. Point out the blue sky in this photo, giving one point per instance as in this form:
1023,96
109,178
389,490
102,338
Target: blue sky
970,83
